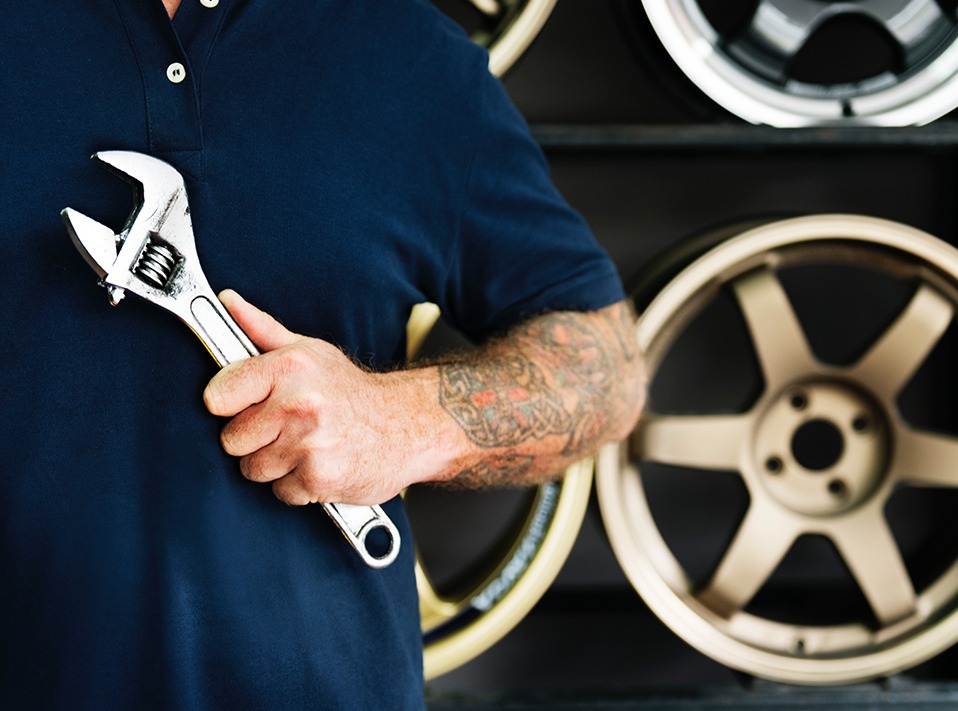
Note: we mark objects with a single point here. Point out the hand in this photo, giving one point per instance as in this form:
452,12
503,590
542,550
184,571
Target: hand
307,419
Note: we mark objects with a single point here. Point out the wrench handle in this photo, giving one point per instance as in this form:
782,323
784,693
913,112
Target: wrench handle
221,335
227,343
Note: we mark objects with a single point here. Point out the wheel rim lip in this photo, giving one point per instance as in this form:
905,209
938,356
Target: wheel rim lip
515,39
644,555
466,643
739,251
572,500
922,96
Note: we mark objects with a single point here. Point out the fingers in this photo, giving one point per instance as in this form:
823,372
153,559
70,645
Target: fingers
297,480
315,481
250,430
292,492
239,385
263,330
279,443
283,426
294,486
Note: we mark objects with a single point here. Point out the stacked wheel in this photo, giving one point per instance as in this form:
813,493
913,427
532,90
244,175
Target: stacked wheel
814,439
505,27
809,62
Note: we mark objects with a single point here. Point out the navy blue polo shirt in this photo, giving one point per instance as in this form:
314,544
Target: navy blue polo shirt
344,160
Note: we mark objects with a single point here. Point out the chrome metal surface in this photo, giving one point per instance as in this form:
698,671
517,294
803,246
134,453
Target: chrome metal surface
784,62
154,257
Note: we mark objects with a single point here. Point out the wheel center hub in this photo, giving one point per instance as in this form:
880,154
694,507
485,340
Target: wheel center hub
817,445
821,448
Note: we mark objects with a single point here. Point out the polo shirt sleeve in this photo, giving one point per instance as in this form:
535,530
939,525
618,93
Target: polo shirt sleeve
521,250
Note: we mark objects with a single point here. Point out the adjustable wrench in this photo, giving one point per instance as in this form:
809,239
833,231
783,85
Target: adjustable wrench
154,257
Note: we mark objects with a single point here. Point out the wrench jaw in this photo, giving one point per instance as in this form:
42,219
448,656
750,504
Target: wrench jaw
154,256
137,259
156,182
158,235
148,256
96,243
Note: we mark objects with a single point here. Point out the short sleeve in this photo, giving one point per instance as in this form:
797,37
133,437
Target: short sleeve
522,250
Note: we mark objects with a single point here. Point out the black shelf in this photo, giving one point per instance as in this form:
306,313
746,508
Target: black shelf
740,137
773,697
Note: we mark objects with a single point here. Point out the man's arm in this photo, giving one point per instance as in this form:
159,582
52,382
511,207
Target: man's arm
517,410
544,396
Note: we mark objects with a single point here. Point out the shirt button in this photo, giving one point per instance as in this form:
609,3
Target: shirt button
176,72
209,3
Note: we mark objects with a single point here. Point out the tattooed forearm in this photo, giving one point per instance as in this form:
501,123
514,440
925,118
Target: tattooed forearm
564,375
503,403
570,348
496,471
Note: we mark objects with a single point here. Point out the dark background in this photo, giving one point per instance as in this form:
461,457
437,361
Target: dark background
657,170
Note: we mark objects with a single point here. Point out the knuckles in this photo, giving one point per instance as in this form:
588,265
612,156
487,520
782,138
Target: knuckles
230,443
294,360
294,436
304,412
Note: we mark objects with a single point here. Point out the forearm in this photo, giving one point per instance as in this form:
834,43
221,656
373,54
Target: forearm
520,409
516,411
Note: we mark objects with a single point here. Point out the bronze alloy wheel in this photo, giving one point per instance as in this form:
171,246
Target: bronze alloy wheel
786,504
505,27
522,539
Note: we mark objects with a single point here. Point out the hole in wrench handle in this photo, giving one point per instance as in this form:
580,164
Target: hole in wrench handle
357,522
221,335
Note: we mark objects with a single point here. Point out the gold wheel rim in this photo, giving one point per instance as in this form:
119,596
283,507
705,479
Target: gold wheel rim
458,628
912,625
505,597
507,28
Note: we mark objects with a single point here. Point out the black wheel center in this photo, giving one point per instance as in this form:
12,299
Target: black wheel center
817,445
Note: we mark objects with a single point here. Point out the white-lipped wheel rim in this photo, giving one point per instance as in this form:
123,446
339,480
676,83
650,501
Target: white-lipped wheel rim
749,70
786,499
459,626
505,27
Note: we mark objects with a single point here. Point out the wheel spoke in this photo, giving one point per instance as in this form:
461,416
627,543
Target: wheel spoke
700,441
489,8
926,458
779,340
777,31
780,28
872,555
433,609
758,547
898,353
910,23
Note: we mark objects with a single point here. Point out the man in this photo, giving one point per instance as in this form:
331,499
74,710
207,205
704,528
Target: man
344,160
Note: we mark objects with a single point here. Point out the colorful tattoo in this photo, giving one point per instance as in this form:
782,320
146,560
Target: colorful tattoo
500,470
557,378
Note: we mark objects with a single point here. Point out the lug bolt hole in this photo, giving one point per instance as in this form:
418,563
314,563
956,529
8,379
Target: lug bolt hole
799,401
837,488
774,465
860,424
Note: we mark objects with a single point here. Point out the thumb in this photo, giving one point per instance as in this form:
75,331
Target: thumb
263,330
